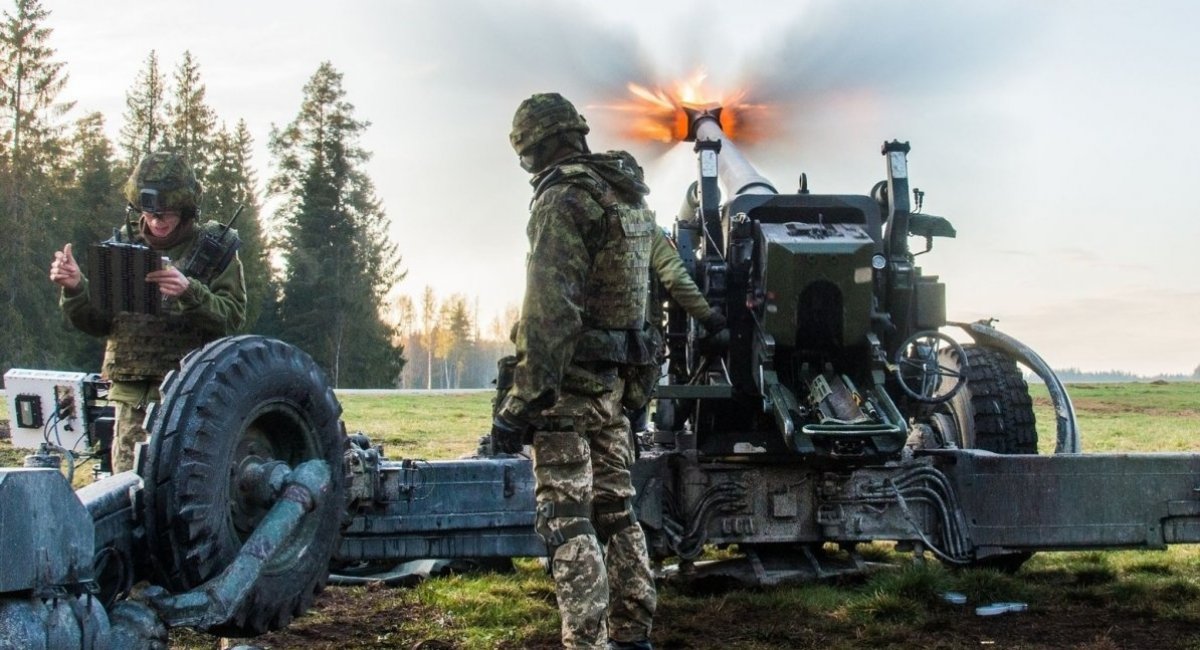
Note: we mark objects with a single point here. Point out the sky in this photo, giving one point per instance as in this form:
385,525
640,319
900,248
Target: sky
1060,138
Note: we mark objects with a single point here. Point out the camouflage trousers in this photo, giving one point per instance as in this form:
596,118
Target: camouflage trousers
128,430
581,459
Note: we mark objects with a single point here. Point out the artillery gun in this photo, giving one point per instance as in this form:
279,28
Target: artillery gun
840,413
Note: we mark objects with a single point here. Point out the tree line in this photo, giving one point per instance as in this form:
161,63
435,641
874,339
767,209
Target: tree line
446,344
1075,375
318,278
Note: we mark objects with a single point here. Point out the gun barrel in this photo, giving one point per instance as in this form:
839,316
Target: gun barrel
737,175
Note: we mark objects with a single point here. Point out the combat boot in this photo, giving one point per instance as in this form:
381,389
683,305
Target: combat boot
630,645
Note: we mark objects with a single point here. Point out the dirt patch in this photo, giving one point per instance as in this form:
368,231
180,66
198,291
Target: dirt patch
342,619
1073,627
1036,629
389,618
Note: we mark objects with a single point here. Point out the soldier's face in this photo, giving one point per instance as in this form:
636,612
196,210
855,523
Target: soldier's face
161,224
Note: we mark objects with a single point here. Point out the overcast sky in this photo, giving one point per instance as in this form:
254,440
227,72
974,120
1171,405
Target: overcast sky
1060,138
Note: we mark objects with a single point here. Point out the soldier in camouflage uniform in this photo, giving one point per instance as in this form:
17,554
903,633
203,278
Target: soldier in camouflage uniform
142,348
580,339
673,276
670,273
667,272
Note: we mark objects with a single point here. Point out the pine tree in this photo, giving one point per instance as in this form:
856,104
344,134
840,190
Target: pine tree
429,323
30,172
92,200
189,121
31,84
231,183
145,123
91,207
459,344
340,262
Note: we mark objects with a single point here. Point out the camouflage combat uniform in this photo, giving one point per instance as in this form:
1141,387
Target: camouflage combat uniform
582,333
142,348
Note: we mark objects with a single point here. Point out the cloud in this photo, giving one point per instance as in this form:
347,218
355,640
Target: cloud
506,49
890,48
1092,258
861,60
998,99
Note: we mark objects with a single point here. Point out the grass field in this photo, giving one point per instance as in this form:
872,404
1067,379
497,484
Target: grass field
1091,600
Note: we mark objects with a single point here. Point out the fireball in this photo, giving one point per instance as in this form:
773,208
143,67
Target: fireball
657,115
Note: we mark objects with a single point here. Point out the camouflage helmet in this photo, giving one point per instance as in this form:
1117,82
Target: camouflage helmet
541,116
163,180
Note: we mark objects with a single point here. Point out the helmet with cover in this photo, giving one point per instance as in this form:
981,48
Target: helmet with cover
541,116
164,181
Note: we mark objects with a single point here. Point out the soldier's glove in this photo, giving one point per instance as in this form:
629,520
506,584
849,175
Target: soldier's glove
507,437
716,333
714,322
508,430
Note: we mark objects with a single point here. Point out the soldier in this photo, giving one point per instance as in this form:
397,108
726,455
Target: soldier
673,276
581,337
670,273
205,303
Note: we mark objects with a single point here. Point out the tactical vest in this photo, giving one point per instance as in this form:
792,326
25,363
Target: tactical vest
615,297
145,347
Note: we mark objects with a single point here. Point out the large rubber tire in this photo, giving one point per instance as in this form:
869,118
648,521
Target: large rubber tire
239,397
994,411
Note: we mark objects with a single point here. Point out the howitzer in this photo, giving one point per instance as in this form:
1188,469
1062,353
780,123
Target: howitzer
839,414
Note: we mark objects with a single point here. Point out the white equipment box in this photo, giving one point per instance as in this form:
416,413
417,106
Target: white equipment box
46,405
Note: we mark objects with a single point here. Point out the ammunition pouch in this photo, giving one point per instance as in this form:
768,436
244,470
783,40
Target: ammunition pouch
641,379
590,380
640,383
145,347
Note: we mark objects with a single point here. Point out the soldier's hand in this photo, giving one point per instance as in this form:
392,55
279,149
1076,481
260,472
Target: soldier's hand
508,436
171,282
64,271
716,334
715,342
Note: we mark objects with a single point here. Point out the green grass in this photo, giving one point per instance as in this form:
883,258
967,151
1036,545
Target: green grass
408,426
1126,417
1094,600
490,609
421,426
